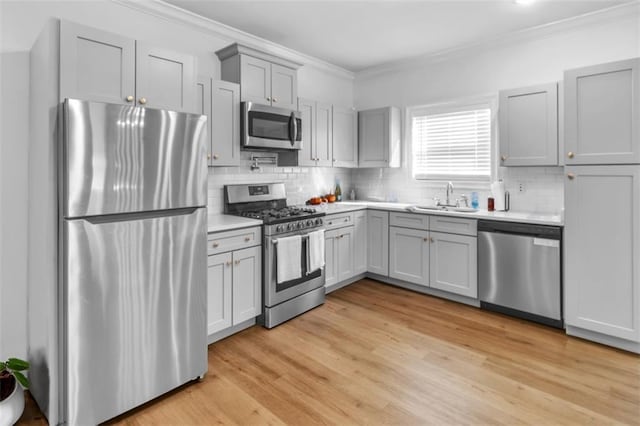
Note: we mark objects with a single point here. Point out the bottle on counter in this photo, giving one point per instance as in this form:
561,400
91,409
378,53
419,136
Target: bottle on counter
338,191
474,200
352,195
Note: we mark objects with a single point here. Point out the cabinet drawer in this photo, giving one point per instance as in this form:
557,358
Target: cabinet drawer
221,242
454,225
338,220
409,220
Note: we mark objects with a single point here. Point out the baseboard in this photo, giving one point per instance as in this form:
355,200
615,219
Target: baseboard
616,342
345,283
424,290
212,338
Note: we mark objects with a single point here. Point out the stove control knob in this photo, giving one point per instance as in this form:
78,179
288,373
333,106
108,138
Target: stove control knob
300,225
318,221
310,222
279,228
289,227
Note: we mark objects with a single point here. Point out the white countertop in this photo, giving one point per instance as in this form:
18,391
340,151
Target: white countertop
510,216
226,222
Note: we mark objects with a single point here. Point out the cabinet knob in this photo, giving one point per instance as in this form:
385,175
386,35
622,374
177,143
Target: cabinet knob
503,158
215,245
129,98
237,262
570,154
571,176
228,263
275,100
142,101
431,239
216,156
425,239
247,239
208,156
268,98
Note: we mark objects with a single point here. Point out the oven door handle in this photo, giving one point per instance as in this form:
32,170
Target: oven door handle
293,128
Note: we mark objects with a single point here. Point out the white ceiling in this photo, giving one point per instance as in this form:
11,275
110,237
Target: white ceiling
357,35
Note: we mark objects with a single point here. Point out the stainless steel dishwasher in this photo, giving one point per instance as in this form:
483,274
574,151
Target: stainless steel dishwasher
519,270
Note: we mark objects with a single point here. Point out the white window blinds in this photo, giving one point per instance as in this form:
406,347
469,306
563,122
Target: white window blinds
452,145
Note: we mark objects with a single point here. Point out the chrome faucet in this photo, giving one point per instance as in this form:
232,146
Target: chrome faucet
449,192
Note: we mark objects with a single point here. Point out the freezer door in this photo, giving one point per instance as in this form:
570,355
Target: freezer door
135,296
119,159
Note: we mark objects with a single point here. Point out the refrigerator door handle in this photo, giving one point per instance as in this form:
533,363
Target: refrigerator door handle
108,218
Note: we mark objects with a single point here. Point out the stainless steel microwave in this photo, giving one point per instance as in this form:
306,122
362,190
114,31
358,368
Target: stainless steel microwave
267,127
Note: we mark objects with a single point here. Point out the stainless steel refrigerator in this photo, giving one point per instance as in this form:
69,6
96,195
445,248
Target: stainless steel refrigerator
130,317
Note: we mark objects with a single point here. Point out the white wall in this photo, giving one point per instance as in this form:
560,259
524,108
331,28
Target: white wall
21,22
538,57
14,96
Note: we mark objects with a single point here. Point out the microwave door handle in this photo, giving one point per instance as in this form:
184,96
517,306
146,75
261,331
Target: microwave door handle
293,128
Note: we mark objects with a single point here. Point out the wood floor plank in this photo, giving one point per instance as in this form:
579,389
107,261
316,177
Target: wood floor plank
376,354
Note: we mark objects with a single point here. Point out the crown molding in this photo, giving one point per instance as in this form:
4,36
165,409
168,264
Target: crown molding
169,12
630,10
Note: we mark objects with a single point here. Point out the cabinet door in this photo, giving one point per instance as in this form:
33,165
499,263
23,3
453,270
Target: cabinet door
345,257
203,107
601,114
255,80
219,278
409,255
360,242
330,257
373,140
165,79
324,135
529,126
96,65
378,242
602,241
345,138
284,87
307,155
225,123
247,284
453,260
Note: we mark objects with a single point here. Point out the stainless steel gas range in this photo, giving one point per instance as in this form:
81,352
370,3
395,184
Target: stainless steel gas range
267,202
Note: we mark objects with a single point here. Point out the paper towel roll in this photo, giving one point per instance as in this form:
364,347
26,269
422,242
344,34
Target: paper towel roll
497,191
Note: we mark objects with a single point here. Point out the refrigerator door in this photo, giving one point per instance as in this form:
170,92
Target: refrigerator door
119,159
135,295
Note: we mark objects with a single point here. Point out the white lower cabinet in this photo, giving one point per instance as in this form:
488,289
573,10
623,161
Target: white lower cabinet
338,245
360,242
409,255
378,242
453,262
234,282
602,241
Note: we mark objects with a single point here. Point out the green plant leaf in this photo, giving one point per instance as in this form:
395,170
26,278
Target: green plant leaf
17,364
22,379
2,366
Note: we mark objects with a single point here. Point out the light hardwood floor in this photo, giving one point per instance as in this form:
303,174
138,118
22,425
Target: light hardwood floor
376,354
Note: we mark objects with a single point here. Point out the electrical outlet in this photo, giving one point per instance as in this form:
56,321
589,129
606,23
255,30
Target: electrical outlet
521,187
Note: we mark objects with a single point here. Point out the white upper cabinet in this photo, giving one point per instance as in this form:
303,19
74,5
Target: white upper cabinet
345,137
379,137
529,126
324,135
601,246
601,114
264,79
307,155
100,66
220,102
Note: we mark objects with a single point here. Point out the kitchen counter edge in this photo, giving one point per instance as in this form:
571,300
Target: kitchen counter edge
226,222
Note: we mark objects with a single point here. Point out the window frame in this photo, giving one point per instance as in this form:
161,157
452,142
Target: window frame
487,101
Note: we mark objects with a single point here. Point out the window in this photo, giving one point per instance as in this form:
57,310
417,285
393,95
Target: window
452,144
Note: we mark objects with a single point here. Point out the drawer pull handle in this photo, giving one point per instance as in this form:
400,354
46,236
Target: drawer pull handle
228,263
237,262
215,245
247,239
346,220
571,176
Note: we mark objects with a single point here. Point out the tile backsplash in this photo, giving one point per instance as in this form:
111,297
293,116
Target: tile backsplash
301,183
542,188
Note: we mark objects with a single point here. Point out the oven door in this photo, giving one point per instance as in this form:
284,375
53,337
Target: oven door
265,127
275,293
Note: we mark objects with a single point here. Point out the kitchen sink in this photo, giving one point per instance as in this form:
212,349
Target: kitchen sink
443,208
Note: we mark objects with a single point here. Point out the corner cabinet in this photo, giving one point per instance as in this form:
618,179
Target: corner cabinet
100,66
378,242
601,114
379,137
234,281
220,102
264,79
317,133
601,246
528,122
